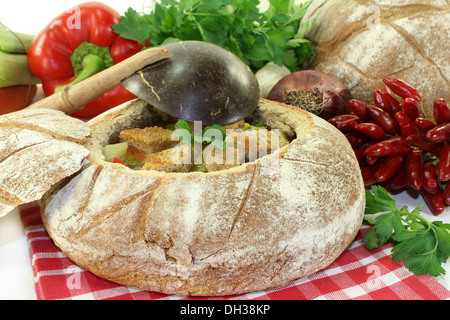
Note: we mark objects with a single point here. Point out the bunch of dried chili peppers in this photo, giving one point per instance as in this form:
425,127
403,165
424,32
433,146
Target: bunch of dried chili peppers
397,146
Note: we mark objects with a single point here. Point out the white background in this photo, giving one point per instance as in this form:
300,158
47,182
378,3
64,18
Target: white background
16,279
30,16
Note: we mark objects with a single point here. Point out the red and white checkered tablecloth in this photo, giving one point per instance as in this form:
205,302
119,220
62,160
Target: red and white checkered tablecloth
357,274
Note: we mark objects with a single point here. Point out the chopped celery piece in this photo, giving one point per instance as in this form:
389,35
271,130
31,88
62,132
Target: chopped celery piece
118,150
133,163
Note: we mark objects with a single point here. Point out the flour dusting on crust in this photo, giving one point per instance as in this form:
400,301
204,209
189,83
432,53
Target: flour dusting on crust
252,227
39,147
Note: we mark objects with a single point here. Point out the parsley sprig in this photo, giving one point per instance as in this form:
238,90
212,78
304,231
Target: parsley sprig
236,25
423,245
207,135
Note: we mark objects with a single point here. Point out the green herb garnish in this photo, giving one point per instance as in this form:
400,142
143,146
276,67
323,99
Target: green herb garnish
208,135
132,163
421,244
236,25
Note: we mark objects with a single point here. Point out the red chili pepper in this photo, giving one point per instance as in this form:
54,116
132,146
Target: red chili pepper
446,195
441,111
385,89
356,139
414,168
359,154
359,108
424,125
117,160
395,104
383,119
371,130
407,126
348,125
435,201
394,146
385,168
369,159
443,166
412,108
61,54
441,133
382,101
398,180
335,121
368,175
430,182
422,143
402,88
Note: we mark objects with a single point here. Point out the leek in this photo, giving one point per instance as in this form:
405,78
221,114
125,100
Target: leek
14,42
13,59
14,70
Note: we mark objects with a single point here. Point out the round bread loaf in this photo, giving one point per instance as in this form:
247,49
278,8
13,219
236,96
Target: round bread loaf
364,41
259,225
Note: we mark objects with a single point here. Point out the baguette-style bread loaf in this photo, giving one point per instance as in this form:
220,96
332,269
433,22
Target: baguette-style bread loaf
255,226
364,41
38,147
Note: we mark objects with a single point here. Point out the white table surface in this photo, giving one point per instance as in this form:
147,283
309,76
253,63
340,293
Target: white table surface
16,277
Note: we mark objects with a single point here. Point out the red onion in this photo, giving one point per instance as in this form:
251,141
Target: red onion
313,91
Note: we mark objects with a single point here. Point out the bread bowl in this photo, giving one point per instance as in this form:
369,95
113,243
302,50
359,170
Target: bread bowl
255,226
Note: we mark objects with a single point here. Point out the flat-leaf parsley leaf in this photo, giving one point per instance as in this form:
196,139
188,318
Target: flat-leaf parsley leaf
276,34
421,244
207,135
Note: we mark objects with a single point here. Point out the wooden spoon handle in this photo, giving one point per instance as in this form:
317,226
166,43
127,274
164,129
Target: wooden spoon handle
75,97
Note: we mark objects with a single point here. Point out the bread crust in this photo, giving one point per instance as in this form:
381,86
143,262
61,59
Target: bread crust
39,147
364,41
256,226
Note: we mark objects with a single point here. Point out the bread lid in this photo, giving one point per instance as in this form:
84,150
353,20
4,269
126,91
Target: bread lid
38,148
